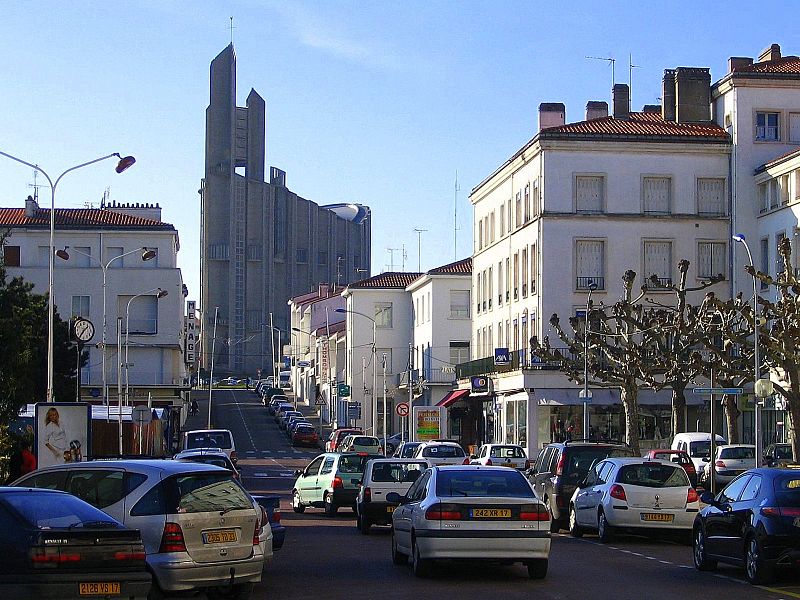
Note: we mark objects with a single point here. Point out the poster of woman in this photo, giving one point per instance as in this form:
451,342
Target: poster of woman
62,432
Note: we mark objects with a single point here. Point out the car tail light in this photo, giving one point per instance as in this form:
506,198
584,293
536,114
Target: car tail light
560,466
337,483
689,467
780,511
367,494
489,462
276,515
260,522
465,461
53,555
443,512
692,496
129,555
234,456
618,492
172,538
534,512
719,464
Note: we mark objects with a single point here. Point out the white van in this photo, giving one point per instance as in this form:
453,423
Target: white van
698,445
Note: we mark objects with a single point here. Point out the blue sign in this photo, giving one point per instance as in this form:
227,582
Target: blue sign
94,392
731,391
502,356
479,384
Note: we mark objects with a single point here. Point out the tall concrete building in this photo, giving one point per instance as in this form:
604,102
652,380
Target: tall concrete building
261,243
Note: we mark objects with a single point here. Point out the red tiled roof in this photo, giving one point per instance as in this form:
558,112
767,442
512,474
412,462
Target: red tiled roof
460,267
337,327
316,296
638,125
785,64
390,279
777,160
77,218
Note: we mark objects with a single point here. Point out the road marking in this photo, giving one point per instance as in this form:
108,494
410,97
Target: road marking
783,591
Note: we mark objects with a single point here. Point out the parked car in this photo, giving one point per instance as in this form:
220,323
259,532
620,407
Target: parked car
470,512
276,401
383,476
730,462
775,454
502,455
406,449
751,523
441,453
337,435
199,526
209,456
281,410
57,546
329,481
633,494
361,443
393,441
698,445
294,422
304,435
561,465
211,438
272,504
680,457
286,415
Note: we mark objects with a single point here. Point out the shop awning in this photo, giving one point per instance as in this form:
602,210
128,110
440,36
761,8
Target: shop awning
452,397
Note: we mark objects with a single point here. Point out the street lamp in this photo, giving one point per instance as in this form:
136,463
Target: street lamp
122,165
374,407
586,397
211,372
158,293
275,371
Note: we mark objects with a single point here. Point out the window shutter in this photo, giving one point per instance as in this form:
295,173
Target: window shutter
656,195
589,194
711,196
658,259
589,256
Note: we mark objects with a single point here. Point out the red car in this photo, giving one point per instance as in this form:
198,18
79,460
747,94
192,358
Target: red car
304,434
680,457
336,437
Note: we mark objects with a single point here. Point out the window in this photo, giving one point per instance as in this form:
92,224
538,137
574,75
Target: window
301,255
489,340
533,268
254,252
516,275
383,315
112,252
490,293
794,127
459,352
658,262
711,259
779,237
535,199
508,216
656,195
80,306
589,194
479,290
500,283
590,264
422,313
763,197
710,196
768,126
764,259
500,335
751,489
430,306
480,234
141,314
491,227
416,312
11,256
508,278
518,211
503,219
485,290
527,202
525,272
734,489
322,258
218,252
459,304
783,189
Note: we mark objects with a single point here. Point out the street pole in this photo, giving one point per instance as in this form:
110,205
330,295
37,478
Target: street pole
592,287
159,294
363,393
374,380
275,382
384,404
211,372
409,423
119,381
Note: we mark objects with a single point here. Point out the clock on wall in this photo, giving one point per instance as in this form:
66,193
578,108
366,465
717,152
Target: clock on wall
83,329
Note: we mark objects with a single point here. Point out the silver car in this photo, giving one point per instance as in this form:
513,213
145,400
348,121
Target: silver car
199,526
470,512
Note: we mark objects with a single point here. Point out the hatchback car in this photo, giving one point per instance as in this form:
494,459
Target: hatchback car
470,512
361,443
58,546
441,453
329,481
209,456
731,461
286,415
633,493
406,449
502,455
211,438
276,401
304,435
680,457
753,522
199,526
336,437
383,476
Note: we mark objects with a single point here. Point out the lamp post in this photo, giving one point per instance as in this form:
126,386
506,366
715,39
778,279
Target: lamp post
158,293
374,404
586,396
275,370
211,372
308,350
384,404
122,165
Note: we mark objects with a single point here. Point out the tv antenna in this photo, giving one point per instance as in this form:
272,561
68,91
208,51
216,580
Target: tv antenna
631,67
610,61
419,248
232,26
35,185
456,189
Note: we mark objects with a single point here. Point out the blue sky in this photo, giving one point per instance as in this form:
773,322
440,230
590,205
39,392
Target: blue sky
373,102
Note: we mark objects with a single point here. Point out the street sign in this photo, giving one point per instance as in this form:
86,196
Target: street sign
402,409
502,356
141,415
320,401
343,390
731,391
479,384
587,397
303,363
354,410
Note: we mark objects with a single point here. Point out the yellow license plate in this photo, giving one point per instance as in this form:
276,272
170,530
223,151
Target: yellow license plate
219,537
491,513
660,517
390,509
99,589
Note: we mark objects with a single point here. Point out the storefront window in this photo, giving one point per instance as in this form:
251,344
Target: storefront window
516,422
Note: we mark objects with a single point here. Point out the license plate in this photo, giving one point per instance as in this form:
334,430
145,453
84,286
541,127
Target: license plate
491,513
99,589
660,517
390,509
219,537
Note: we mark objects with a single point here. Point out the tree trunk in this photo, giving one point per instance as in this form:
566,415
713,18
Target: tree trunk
678,409
732,413
794,418
630,403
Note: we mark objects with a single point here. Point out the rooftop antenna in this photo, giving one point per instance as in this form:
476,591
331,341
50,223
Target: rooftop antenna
419,248
232,28
631,67
456,189
611,61
391,252
404,256
35,186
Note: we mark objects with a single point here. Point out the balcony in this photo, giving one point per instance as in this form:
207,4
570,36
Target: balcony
658,283
584,283
438,376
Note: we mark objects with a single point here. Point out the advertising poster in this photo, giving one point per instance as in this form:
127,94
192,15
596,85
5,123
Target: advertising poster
62,432
430,422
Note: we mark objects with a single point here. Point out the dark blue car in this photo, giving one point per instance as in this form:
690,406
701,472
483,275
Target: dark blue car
753,522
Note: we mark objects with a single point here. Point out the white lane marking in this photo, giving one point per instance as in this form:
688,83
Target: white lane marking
244,421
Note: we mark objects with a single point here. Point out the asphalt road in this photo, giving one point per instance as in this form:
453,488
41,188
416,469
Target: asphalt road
329,558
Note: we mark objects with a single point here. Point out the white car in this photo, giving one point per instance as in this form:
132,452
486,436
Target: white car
633,493
383,476
211,438
502,455
697,445
731,461
441,453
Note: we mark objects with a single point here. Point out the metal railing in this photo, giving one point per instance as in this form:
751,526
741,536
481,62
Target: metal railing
585,283
657,283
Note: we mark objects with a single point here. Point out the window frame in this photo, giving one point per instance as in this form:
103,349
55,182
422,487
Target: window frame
576,177
603,264
766,112
698,182
670,193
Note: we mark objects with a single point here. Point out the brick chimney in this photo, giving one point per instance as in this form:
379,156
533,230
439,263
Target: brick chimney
668,95
622,100
551,114
737,62
771,53
31,206
692,95
596,110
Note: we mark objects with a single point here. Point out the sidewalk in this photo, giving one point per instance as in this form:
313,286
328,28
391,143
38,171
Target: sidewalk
200,420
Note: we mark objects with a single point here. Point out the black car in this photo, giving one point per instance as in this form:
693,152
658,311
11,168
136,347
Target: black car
561,465
753,522
272,504
774,454
58,546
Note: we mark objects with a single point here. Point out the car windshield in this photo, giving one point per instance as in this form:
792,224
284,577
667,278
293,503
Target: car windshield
507,452
57,510
443,451
352,464
386,472
787,490
580,460
737,453
217,461
206,492
506,483
208,439
700,449
653,475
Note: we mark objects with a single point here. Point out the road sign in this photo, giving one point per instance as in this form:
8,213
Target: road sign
303,363
402,409
731,391
587,397
320,401
343,390
141,415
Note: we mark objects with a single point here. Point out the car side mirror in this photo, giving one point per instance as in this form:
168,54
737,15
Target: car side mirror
298,473
396,498
708,498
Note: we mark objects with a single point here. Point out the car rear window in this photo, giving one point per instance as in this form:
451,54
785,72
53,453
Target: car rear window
205,492
737,453
787,490
217,461
56,510
482,483
305,429
700,449
408,449
653,475
397,472
783,452
507,452
365,441
443,451
580,460
216,439
352,463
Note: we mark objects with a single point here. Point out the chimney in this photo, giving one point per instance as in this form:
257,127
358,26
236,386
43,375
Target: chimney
596,110
668,95
692,95
31,206
324,290
622,100
771,53
652,109
738,62
551,114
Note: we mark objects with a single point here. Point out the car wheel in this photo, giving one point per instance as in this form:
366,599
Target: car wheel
155,593
330,507
604,530
398,558
297,504
555,525
575,530
421,567
364,525
537,569
755,570
701,560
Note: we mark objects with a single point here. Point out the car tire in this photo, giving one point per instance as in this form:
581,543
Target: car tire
537,569
398,558
575,530
364,525
604,530
330,507
555,524
155,593
297,503
421,567
699,555
756,571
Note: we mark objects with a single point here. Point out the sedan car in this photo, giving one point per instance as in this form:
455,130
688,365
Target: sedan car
470,512
635,494
776,454
441,453
58,546
502,455
753,522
